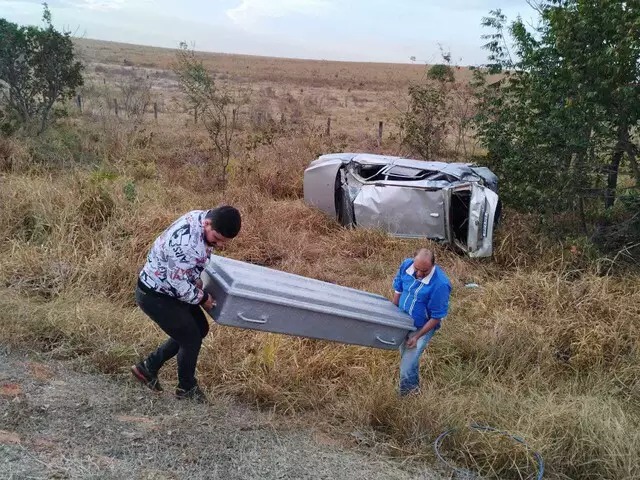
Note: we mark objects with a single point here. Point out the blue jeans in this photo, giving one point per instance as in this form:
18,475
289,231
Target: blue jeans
410,363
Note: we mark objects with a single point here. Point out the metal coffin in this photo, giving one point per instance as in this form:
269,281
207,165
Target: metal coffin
261,298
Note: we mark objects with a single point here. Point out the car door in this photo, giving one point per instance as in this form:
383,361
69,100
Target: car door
482,210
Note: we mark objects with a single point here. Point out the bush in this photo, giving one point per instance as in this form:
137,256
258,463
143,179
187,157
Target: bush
619,229
40,69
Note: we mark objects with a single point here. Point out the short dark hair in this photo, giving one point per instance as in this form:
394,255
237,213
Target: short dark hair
225,220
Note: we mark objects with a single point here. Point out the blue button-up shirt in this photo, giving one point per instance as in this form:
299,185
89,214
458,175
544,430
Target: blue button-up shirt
425,298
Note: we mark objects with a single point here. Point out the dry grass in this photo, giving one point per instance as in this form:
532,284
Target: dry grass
302,73
356,96
545,348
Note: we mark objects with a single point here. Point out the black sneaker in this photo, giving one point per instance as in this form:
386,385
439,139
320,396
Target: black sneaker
194,393
142,374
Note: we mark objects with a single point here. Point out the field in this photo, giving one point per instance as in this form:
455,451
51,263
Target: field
546,348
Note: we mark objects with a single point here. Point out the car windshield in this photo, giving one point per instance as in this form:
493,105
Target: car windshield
377,173
407,172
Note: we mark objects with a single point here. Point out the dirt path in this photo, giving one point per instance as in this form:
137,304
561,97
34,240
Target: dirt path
58,423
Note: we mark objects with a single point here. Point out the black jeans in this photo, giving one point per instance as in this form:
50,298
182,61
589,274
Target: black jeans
186,326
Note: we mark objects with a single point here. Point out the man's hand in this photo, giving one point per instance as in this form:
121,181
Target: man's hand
396,298
199,283
209,304
412,341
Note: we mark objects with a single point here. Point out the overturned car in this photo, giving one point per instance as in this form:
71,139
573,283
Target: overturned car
455,203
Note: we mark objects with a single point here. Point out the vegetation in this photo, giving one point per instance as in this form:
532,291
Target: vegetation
213,103
38,69
439,118
561,126
546,348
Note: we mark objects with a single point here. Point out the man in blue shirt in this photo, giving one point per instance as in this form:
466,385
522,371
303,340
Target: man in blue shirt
422,290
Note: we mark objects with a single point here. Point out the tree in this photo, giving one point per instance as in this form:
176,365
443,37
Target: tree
215,105
559,123
38,68
438,106
424,124
441,72
136,95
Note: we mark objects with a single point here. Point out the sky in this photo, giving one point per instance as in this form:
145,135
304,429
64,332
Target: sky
357,30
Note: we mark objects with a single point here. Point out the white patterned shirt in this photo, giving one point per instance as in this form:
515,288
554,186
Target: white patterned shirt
177,259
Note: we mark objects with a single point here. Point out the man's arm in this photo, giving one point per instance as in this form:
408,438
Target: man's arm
430,325
397,286
182,260
438,307
396,298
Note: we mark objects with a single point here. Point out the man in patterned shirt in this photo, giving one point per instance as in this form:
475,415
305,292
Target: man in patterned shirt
170,292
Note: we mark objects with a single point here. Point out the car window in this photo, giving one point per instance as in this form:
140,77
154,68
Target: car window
400,173
408,172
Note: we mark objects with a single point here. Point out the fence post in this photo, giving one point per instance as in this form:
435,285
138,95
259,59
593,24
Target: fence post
155,110
79,102
329,127
195,115
115,105
379,133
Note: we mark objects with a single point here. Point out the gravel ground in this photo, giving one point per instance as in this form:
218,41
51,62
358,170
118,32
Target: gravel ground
58,423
